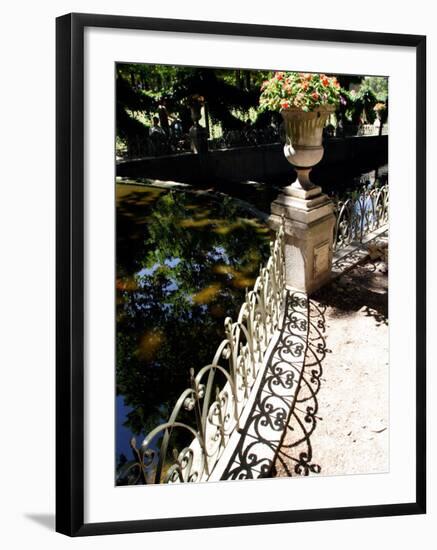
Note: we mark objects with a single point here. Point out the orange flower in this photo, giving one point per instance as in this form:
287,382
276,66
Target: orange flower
325,81
315,95
285,104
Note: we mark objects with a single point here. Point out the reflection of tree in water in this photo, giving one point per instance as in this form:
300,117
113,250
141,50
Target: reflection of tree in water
183,263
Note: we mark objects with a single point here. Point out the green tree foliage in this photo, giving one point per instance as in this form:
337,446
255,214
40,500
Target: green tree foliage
130,100
361,106
140,89
378,85
229,93
360,95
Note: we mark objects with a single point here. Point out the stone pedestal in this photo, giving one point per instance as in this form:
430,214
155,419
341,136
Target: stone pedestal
309,226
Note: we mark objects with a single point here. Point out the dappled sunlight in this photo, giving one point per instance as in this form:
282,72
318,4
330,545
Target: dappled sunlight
223,229
239,278
207,294
149,344
192,223
134,193
205,213
223,269
220,226
243,282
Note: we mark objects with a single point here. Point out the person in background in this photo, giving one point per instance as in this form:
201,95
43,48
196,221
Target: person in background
176,128
157,137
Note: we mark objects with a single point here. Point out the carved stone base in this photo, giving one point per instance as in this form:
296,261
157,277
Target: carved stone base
300,193
309,226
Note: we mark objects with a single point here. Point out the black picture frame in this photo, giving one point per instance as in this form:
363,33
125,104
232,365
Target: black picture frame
70,273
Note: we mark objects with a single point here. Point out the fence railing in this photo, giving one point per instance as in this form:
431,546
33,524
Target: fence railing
247,137
363,212
160,143
207,413
372,130
155,145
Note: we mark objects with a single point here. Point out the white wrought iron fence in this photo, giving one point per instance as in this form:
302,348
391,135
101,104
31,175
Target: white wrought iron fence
363,212
208,412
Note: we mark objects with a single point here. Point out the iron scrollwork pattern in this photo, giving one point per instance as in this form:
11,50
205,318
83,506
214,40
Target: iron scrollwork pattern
261,437
284,414
363,212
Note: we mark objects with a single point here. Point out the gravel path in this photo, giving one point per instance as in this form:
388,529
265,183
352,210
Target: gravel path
351,433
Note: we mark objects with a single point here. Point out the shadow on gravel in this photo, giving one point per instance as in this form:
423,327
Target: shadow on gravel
364,288
295,456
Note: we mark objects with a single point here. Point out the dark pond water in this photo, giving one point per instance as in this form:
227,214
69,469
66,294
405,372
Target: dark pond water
334,180
184,261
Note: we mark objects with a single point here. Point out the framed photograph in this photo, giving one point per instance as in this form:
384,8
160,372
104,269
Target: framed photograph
240,274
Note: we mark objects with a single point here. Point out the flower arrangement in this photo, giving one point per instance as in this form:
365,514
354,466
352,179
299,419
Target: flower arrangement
304,91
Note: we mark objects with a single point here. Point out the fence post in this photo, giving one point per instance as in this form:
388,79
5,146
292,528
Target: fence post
309,230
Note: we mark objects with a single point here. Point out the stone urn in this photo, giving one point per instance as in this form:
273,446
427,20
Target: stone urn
306,213
303,147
